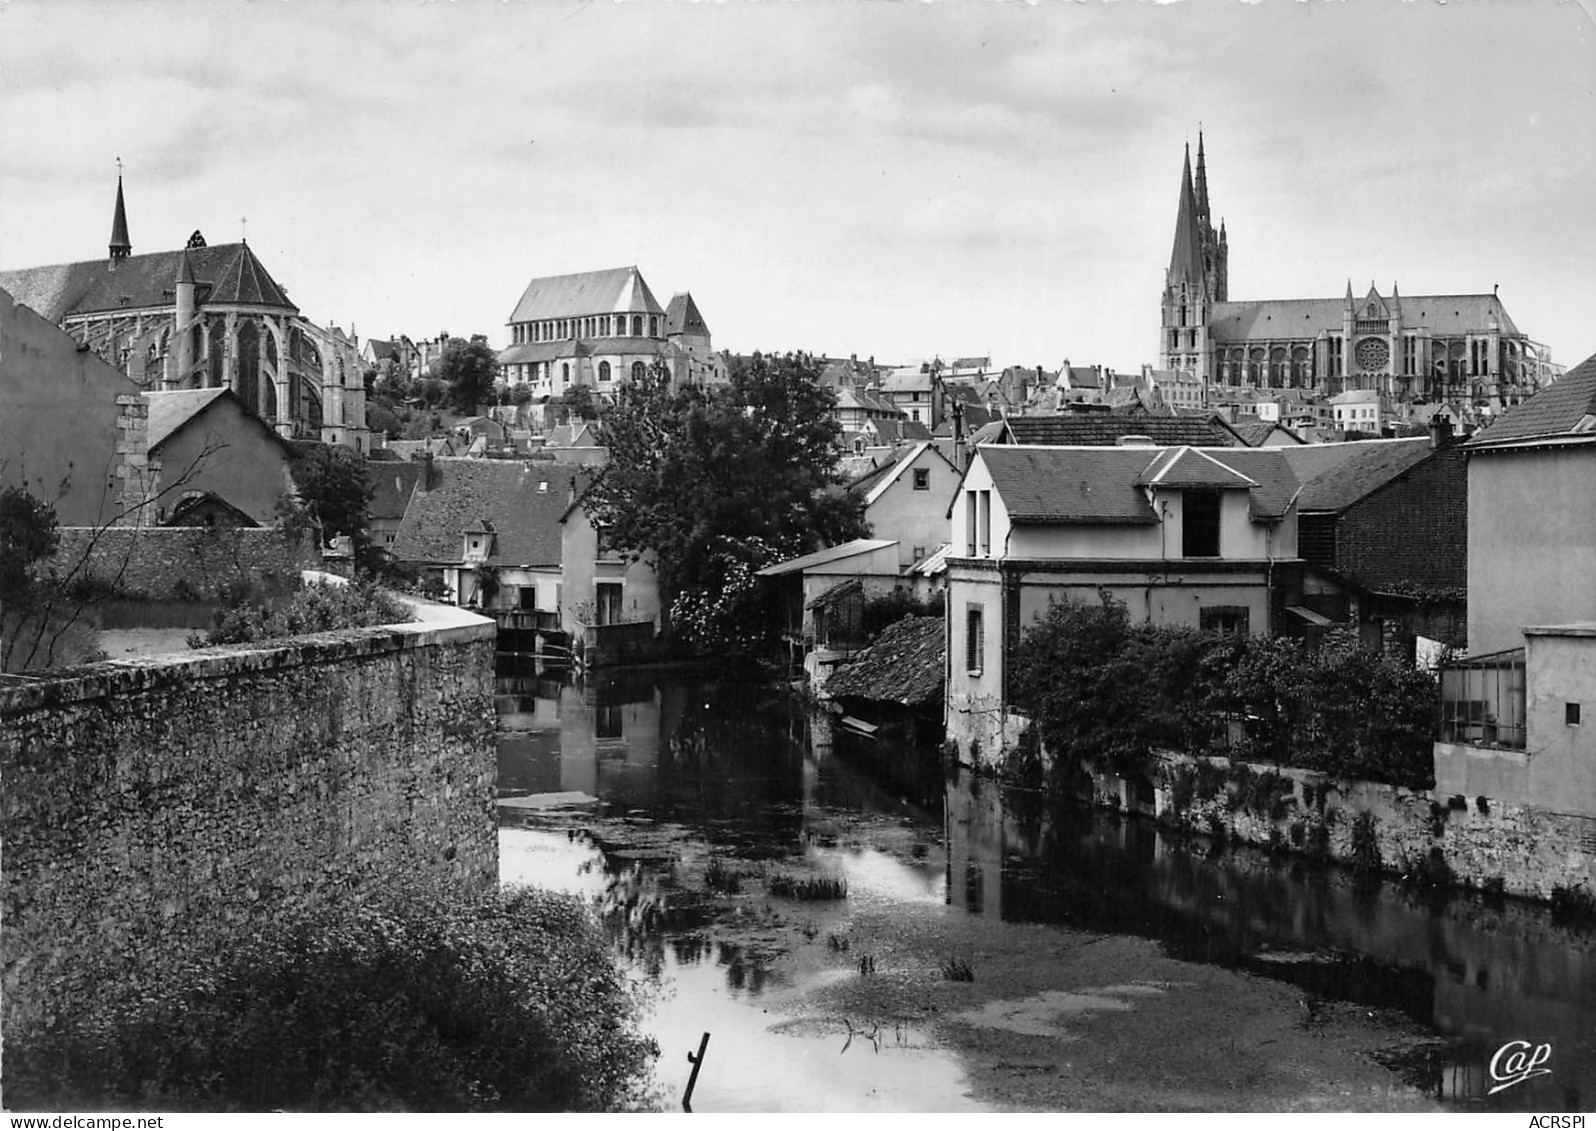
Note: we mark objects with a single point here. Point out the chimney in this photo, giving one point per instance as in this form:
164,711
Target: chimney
1440,429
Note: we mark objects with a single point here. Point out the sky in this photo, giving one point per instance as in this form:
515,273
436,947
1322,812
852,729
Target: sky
894,179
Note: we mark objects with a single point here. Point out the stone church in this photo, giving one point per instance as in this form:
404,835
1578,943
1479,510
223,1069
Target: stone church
205,317
1461,348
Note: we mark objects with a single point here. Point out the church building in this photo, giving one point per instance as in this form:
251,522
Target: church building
1460,348
601,329
204,317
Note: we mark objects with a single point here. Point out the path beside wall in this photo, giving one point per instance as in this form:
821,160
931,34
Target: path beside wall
1527,850
147,805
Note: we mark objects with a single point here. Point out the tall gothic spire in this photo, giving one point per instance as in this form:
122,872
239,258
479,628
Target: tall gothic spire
1202,180
1186,258
121,246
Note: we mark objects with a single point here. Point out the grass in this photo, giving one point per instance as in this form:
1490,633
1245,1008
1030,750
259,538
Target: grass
957,969
727,881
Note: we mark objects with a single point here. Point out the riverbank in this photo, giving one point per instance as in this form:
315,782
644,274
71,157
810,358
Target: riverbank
1052,1019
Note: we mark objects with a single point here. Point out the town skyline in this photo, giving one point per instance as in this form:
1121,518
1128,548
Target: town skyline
960,178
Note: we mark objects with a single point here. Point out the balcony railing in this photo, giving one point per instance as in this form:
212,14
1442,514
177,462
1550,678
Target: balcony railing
1482,700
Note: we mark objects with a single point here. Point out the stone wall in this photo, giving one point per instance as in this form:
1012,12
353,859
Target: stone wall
147,806
201,562
1529,851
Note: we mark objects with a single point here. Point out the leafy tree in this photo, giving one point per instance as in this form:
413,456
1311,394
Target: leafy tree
713,484
469,370
333,486
578,402
28,535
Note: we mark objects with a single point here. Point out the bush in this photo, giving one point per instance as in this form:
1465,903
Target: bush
784,886
314,608
507,1002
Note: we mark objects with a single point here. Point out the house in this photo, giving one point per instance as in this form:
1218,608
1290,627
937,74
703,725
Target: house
1358,410
821,598
1265,434
1178,388
906,500
215,460
1382,526
393,482
66,421
1182,535
916,392
1517,711
488,532
610,601
857,409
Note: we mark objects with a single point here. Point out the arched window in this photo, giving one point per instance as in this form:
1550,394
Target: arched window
638,370
653,325
565,373
637,325
604,371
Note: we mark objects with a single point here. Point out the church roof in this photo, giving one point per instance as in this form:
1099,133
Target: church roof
619,290
1566,406
580,347
140,282
682,316
1306,317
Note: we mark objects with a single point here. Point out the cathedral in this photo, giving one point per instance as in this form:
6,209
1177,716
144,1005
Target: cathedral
1460,349
206,317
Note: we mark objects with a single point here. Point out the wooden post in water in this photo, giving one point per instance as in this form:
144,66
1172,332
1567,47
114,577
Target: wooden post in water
697,1062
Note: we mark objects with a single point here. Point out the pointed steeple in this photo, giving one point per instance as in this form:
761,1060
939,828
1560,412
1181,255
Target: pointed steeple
121,246
185,271
1202,179
1186,258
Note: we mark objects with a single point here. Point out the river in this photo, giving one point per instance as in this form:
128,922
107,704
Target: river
994,952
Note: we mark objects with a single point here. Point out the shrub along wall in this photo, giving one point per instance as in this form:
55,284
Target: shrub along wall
149,806
1475,842
196,562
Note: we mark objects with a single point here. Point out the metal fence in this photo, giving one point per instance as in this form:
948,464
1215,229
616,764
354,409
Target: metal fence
1482,700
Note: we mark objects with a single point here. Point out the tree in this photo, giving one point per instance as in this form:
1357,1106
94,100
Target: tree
713,484
469,370
28,536
579,403
333,487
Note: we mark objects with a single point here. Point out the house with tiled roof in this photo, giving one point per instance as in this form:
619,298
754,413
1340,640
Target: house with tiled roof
1517,710
1407,347
600,329
1383,531
204,316
205,444
1107,428
1198,537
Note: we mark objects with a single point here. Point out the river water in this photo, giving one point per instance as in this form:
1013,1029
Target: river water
626,789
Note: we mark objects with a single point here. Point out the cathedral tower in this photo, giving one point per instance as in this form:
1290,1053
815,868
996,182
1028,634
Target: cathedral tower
121,247
1197,276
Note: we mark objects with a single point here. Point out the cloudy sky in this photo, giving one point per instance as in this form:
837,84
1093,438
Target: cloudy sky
896,179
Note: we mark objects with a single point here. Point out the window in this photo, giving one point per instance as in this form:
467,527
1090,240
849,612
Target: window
604,371
637,325
607,722
608,594
977,522
1230,619
922,479
1199,534
638,371
974,639
653,325
528,598
1571,714
919,553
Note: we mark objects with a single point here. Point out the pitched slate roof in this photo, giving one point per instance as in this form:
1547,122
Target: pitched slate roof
617,346
1565,406
682,316
874,484
1293,318
902,665
619,290
169,411
233,274
1103,485
1334,476
392,482
522,501
1105,428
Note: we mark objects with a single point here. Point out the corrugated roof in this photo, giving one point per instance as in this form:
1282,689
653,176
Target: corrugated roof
1105,428
902,665
1561,408
523,501
824,557
235,277
1304,317
1334,476
619,290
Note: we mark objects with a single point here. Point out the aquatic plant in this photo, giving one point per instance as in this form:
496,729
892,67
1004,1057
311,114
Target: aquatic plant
838,943
720,878
785,886
957,969
867,964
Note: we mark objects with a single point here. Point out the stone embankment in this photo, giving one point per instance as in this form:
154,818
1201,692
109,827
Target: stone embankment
1472,841
146,805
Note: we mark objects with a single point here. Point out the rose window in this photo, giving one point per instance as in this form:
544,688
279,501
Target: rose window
1373,355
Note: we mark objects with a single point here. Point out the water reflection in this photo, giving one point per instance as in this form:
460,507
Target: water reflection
686,770
1477,973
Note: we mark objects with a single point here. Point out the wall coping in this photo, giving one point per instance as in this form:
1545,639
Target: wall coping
434,624
1579,628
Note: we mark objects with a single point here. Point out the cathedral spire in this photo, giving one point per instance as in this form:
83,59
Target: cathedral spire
1202,180
121,246
1186,258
